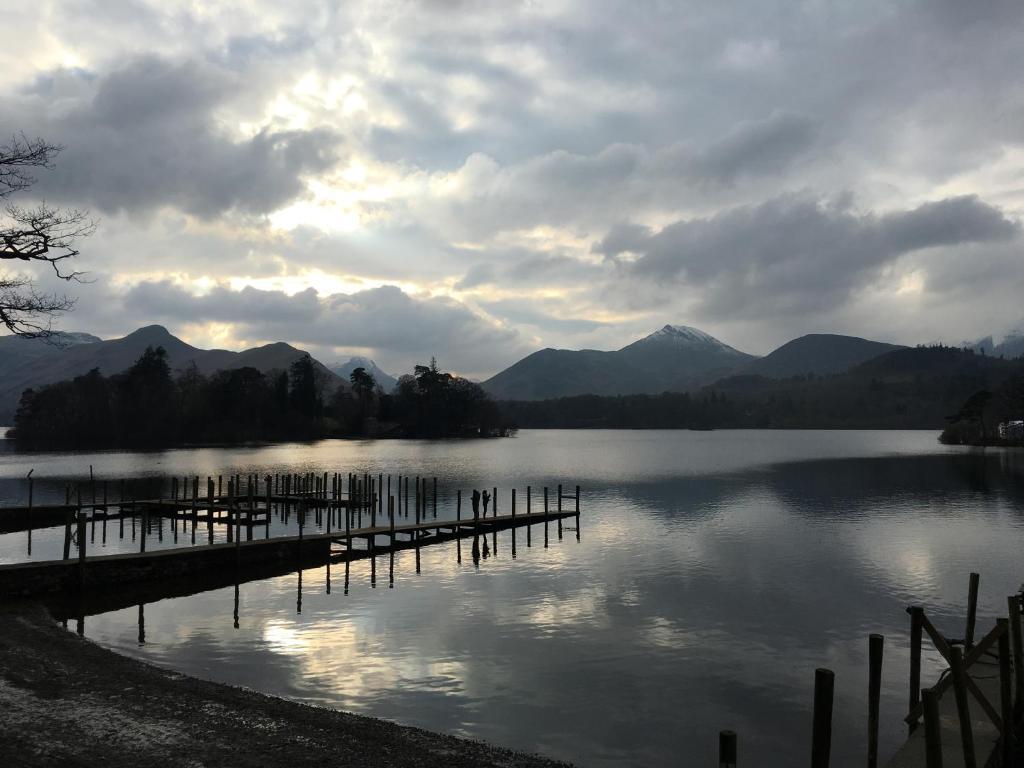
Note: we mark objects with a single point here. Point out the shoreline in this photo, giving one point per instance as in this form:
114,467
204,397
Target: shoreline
67,700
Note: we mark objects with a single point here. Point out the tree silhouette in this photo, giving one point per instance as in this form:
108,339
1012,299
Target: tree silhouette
34,234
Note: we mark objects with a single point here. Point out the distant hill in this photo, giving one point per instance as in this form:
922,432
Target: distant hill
820,354
674,358
908,388
386,381
115,355
15,351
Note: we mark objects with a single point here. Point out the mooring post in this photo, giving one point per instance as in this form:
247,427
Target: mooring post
1005,693
81,548
68,516
391,520
821,736
916,626
458,508
972,611
875,647
529,525
28,512
727,749
1013,603
546,513
434,498
956,665
932,729
559,511
513,510
407,496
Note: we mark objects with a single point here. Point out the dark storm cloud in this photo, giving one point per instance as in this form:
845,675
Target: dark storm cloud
796,253
147,135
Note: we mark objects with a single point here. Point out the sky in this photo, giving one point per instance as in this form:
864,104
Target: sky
474,181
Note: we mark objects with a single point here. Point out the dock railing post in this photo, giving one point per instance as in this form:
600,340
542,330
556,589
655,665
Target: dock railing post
972,611
434,498
821,736
956,665
727,749
875,647
1005,693
1013,603
932,729
559,511
81,549
916,626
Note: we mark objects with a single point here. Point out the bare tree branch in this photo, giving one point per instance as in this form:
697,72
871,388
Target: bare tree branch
20,154
40,234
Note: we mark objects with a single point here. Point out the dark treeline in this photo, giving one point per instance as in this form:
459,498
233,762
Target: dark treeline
906,389
149,406
977,422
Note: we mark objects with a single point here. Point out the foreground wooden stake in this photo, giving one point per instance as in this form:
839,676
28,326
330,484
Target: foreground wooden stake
875,645
821,735
932,729
726,749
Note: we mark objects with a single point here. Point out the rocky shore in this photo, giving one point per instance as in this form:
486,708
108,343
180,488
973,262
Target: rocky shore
66,701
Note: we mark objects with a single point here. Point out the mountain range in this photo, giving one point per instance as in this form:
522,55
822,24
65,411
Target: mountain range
673,359
35,362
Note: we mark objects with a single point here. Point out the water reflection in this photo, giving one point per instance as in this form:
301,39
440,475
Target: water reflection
717,572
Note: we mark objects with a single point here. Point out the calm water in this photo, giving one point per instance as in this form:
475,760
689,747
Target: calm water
715,571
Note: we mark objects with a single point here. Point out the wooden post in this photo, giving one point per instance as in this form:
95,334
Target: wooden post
1013,603
559,511
956,665
458,508
932,729
875,646
546,513
494,498
821,736
434,498
513,509
28,513
391,520
529,525
81,548
916,626
1005,693
727,749
972,611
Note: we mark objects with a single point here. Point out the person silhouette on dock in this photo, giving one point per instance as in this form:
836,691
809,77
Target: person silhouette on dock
487,498
476,503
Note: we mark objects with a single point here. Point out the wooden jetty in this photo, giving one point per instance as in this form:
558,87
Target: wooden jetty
347,525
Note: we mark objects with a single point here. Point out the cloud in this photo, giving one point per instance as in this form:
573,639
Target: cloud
756,148
797,254
147,135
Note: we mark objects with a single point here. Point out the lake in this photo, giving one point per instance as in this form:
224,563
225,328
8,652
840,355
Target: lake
714,572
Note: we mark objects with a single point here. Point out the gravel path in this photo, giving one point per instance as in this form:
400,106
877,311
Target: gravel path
67,701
